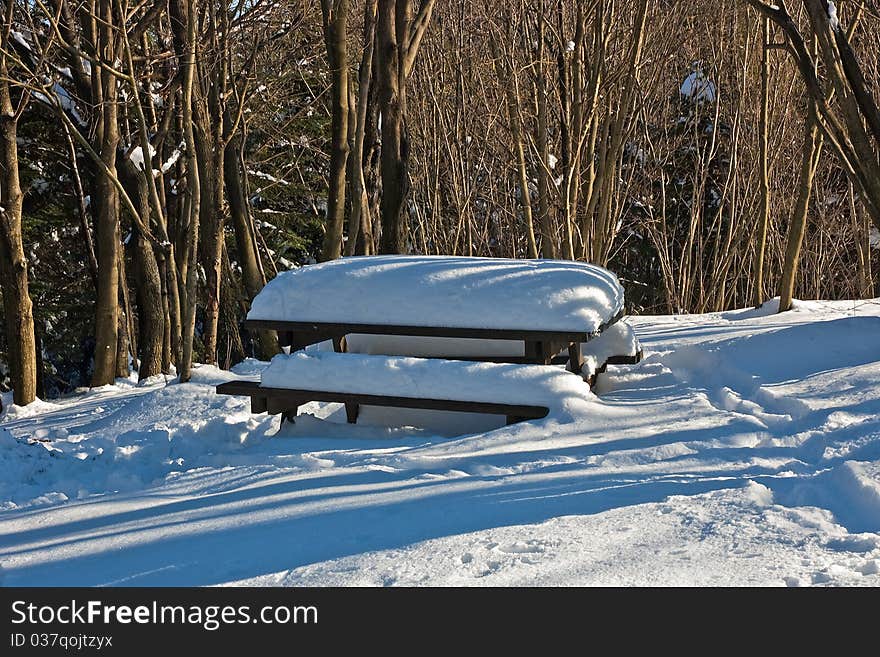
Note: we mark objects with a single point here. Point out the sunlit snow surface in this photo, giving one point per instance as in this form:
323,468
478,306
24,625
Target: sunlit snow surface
743,450
445,291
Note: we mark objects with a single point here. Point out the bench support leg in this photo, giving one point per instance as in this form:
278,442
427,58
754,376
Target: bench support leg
541,352
276,406
538,352
259,405
576,357
351,412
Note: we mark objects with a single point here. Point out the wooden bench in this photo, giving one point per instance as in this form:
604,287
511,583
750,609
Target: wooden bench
287,401
540,347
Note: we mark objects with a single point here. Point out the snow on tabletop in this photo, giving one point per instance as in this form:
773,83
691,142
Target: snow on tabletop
426,378
447,291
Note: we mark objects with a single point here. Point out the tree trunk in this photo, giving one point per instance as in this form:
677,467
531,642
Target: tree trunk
360,219
370,164
151,318
252,272
335,15
548,234
231,307
764,135
211,211
126,343
40,365
192,197
17,308
395,148
122,340
107,217
812,149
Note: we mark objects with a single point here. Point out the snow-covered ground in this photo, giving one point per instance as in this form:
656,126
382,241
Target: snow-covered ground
744,449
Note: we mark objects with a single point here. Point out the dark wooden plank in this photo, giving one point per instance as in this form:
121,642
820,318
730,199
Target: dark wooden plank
286,398
493,408
334,329
238,387
625,360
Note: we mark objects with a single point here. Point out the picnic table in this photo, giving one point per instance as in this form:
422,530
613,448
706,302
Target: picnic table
494,310
547,305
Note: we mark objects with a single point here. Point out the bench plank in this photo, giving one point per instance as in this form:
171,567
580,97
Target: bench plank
540,346
287,400
339,329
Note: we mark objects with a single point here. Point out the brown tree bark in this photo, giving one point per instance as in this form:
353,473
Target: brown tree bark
360,219
370,165
399,35
211,210
17,307
811,150
335,17
104,85
542,139
764,136
395,145
151,316
192,197
252,273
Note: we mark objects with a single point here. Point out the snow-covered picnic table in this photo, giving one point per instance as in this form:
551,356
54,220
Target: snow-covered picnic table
415,319
544,305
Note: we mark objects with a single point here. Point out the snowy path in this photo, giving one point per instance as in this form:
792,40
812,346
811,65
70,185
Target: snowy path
744,449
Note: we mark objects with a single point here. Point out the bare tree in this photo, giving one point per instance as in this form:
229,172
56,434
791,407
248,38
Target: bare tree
811,150
335,15
17,307
851,129
400,29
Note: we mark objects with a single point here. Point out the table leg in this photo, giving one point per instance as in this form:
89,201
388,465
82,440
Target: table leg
576,357
351,412
538,352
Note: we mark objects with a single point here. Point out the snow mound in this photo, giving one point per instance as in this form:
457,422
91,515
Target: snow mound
428,378
445,291
34,409
859,483
617,340
48,465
